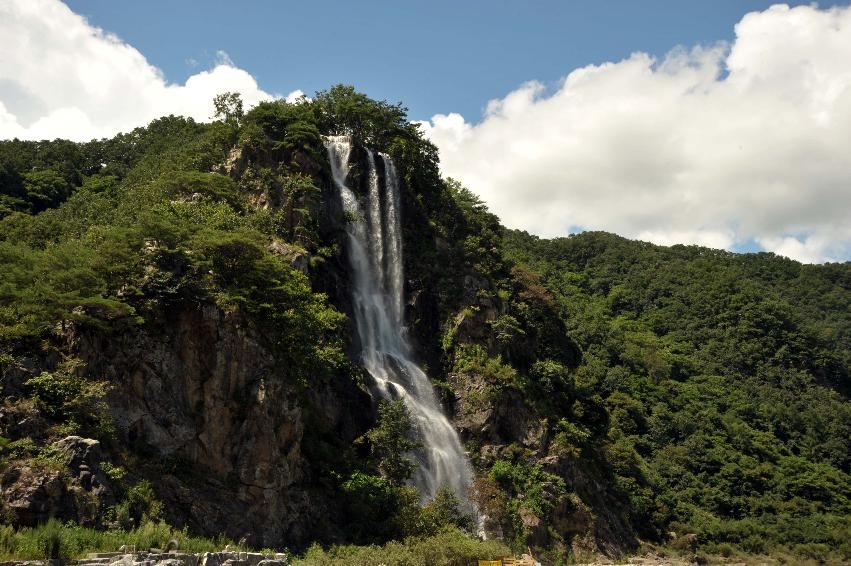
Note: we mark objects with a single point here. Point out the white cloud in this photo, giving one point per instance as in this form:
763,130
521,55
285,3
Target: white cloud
716,146
61,77
295,96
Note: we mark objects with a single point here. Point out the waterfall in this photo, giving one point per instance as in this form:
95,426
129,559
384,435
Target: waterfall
375,257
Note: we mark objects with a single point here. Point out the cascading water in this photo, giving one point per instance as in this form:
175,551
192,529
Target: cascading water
375,256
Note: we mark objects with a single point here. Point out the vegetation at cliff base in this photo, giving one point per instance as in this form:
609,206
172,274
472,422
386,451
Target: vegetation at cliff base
447,548
69,541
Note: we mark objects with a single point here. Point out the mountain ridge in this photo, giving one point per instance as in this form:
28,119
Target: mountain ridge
187,285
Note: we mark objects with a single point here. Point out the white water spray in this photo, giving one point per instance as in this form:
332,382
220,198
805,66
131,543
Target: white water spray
375,257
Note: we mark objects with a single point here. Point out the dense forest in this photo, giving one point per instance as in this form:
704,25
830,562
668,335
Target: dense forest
179,294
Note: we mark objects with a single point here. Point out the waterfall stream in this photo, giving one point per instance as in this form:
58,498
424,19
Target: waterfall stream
376,262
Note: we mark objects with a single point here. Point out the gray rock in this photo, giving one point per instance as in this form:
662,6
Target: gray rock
80,452
297,256
123,560
33,493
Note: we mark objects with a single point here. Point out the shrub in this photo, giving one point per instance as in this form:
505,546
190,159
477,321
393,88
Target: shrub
450,547
446,510
391,440
76,402
50,540
474,359
53,539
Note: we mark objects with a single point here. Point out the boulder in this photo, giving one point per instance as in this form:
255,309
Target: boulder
33,493
297,257
80,451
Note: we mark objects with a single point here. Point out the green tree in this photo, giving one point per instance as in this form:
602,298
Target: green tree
391,440
229,109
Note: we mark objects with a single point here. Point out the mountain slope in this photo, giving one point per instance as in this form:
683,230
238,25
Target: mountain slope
181,294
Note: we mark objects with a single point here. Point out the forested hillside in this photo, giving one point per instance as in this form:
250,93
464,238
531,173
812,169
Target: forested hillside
726,379
177,346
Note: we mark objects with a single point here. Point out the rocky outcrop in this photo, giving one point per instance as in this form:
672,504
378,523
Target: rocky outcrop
514,419
217,422
82,459
297,257
32,492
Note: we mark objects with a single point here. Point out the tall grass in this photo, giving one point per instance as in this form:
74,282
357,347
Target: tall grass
56,540
450,547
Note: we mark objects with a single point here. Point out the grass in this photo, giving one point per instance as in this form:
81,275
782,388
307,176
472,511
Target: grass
56,540
720,554
450,547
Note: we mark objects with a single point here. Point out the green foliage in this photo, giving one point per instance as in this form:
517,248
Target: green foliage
139,506
229,108
113,472
540,490
391,440
552,385
447,548
376,510
56,540
723,380
280,126
76,402
475,359
343,110
446,510
45,189
49,540
506,329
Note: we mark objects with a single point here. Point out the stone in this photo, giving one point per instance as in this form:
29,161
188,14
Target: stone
297,257
33,493
123,560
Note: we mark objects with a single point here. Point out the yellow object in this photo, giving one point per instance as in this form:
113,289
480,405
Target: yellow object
490,562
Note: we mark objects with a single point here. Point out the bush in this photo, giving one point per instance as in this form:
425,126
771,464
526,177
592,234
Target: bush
76,402
50,540
55,540
474,359
450,547
446,510
391,440
142,504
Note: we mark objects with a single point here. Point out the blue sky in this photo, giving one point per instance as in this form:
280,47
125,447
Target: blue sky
436,56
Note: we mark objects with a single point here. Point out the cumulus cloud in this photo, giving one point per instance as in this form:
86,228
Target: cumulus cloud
62,77
718,146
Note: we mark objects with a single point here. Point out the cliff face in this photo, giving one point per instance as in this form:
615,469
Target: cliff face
214,421
538,484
